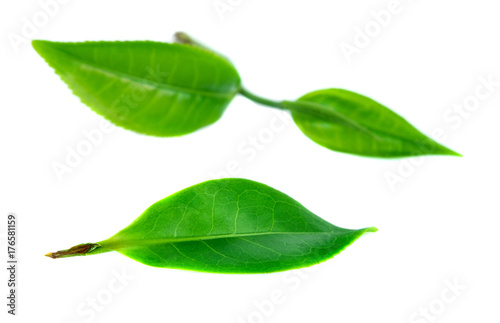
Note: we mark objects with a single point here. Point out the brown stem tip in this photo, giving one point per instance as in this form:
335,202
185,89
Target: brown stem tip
78,250
183,38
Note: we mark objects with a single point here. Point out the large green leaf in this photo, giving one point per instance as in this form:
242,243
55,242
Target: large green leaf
150,87
365,128
226,226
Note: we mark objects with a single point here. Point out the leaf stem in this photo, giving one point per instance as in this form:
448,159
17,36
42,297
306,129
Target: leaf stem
83,249
261,100
309,108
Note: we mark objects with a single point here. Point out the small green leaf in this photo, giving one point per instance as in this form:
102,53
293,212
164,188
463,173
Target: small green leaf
226,226
150,87
366,128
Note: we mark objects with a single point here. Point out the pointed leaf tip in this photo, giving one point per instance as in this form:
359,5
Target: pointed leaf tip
453,153
371,229
40,46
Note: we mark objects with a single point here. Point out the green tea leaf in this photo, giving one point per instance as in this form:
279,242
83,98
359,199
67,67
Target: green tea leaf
150,87
226,226
365,128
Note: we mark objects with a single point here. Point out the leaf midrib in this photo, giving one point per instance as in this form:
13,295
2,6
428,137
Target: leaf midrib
384,135
119,245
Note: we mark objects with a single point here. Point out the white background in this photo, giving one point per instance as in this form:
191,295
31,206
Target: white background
438,225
